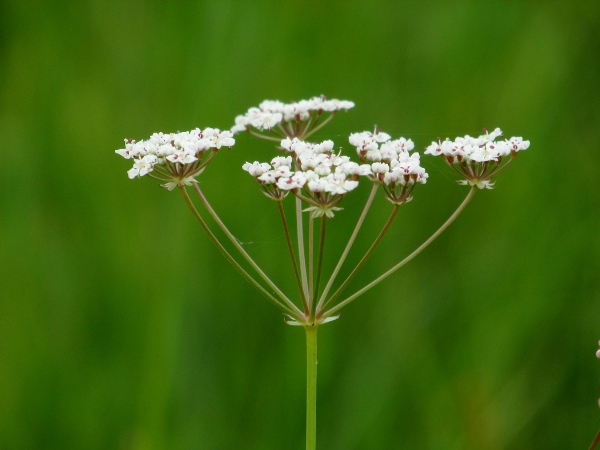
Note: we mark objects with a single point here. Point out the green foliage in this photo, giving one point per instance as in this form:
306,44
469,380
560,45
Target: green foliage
122,327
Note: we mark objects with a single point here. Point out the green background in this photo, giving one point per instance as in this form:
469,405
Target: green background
122,327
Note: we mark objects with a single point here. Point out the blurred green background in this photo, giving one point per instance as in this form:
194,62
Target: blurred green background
122,327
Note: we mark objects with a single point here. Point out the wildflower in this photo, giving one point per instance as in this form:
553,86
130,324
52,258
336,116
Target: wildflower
391,164
295,119
321,177
175,158
477,160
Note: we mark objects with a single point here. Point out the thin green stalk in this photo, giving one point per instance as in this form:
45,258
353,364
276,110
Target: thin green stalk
262,136
228,256
246,256
293,256
315,129
348,246
495,172
311,387
301,257
364,258
311,263
309,122
407,259
321,251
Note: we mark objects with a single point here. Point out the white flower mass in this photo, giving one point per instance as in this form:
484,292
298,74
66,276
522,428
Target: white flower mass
477,159
173,150
272,112
317,168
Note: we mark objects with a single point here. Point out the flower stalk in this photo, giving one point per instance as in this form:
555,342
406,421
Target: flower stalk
319,177
364,258
246,256
311,386
422,247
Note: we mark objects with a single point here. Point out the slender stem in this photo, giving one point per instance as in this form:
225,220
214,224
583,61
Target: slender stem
246,256
321,251
596,440
292,256
262,136
497,170
311,387
408,258
366,257
301,257
314,130
206,161
228,256
348,246
311,262
306,127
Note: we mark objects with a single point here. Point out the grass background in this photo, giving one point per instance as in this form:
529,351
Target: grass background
122,327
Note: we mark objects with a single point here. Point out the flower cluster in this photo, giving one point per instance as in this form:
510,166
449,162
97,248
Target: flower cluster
175,157
391,163
313,172
293,119
477,159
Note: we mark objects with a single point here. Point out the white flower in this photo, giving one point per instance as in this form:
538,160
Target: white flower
223,139
487,152
322,177
322,170
326,146
517,143
380,167
266,121
491,136
318,185
131,149
281,161
256,169
478,159
268,177
142,166
182,157
273,112
338,184
287,184
282,171
173,150
241,122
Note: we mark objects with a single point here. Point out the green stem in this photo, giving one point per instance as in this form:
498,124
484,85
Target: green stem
311,263
262,136
311,387
292,256
320,260
315,129
407,259
301,254
364,258
228,256
348,246
245,254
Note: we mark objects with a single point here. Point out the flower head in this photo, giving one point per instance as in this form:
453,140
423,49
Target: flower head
478,159
175,158
295,119
391,163
312,171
